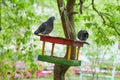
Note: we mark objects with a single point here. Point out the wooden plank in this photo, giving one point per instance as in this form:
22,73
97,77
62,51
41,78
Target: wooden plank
78,52
52,52
57,60
56,40
43,47
63,41
69,52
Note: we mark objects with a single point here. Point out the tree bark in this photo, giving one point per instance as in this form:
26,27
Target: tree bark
69,31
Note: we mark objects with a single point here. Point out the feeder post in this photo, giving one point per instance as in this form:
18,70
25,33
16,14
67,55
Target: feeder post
69,52
52,52
43,47
78,52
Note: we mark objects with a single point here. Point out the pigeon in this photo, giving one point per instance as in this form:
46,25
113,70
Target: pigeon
82,35
45,27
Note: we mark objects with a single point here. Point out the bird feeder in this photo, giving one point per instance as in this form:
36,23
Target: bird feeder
63,41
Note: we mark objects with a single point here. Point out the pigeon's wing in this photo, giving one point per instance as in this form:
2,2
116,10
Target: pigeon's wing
87,35
79,35
42,27
49,27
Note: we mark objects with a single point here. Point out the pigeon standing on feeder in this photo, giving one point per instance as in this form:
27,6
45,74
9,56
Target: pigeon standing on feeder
46,27
82,35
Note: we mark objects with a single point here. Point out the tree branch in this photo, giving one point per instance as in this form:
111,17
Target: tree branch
81,5
69,31
71,14
63,13
97,11
70,9
88,6
104,22
112,26
116,30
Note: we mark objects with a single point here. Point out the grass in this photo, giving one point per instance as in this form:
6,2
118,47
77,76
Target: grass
68,77
72,78
50,78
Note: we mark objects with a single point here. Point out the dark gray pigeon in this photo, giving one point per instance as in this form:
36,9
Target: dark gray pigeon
46,27
82,35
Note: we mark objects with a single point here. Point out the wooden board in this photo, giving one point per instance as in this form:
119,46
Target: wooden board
57,60
63,41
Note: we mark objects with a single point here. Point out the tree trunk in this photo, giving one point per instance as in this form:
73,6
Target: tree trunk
69,31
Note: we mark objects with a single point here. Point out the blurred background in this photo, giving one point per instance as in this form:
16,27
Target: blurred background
19,47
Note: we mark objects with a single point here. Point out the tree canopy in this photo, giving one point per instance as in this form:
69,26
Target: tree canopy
20,18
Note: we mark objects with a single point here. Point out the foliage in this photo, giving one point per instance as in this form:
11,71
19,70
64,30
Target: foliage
16,37
18,18
105,30
118,68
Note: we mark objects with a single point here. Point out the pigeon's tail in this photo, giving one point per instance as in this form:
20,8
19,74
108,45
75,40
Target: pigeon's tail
36,32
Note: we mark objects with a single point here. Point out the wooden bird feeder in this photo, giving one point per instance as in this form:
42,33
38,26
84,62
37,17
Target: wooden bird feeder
63,41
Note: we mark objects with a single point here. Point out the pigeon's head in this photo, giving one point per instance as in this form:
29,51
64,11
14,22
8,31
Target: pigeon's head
83,35
52,18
